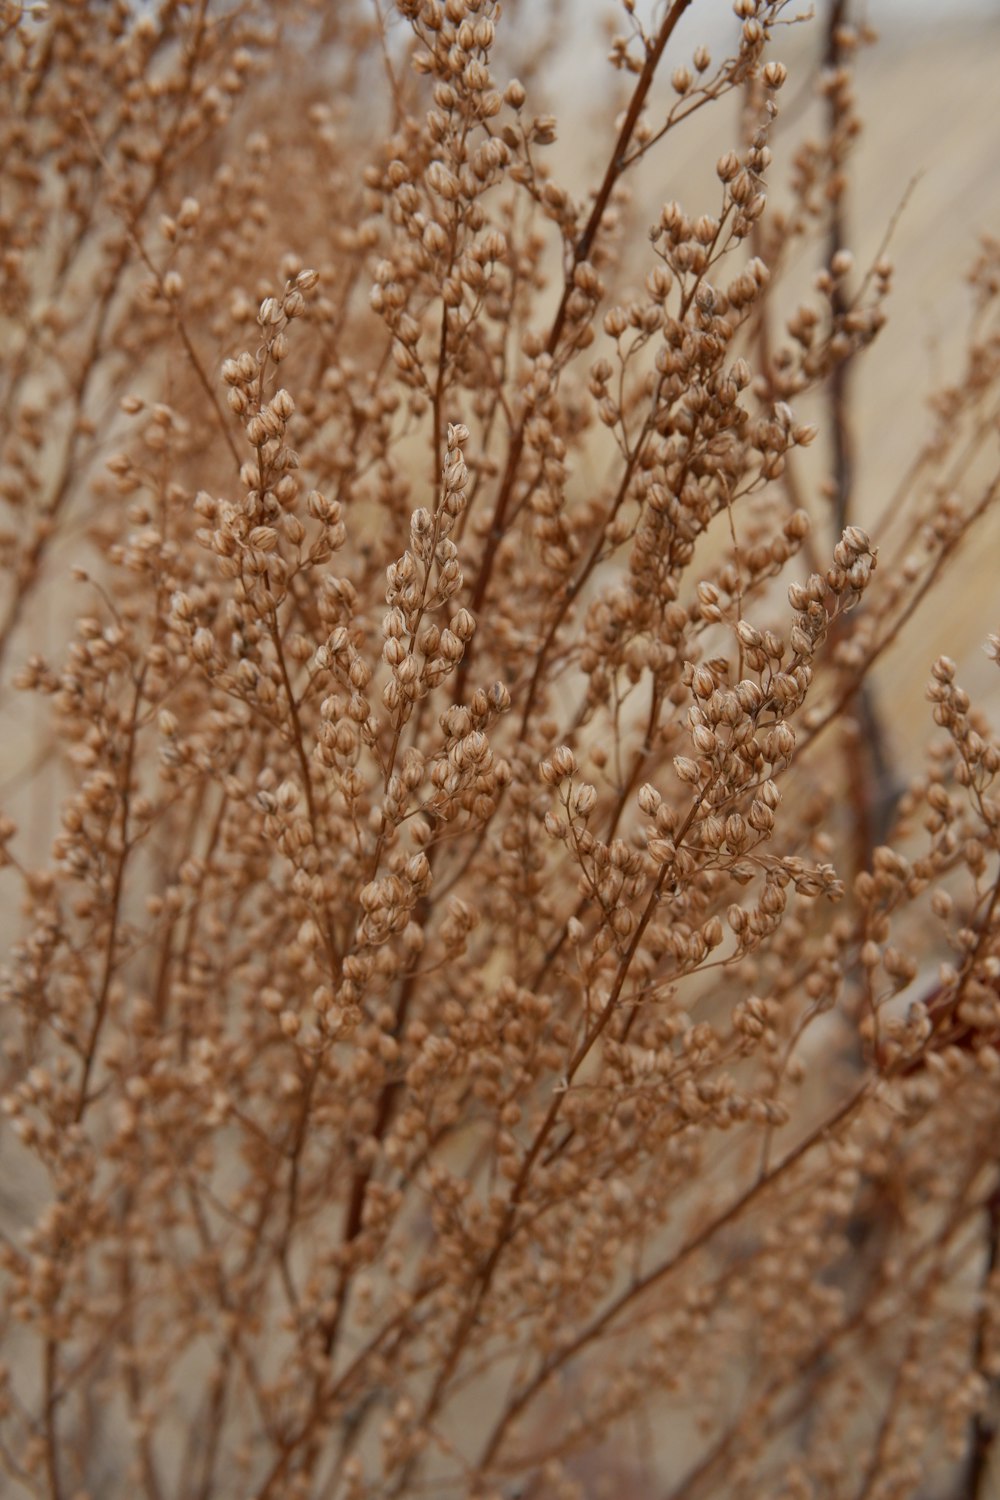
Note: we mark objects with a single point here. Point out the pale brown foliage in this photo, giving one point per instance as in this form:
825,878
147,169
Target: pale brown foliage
490,1020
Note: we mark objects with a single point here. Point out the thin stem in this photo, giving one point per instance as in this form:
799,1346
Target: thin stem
665,1269
616,166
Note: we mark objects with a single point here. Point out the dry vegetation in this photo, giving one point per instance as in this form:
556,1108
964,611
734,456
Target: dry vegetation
488,1017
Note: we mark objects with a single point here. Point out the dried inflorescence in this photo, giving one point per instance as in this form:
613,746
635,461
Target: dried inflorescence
488,991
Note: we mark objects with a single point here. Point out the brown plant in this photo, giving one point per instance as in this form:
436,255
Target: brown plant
486,1013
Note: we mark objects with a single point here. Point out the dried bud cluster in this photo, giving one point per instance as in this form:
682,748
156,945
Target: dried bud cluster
475,984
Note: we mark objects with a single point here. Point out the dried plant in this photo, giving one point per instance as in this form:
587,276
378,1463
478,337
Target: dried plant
491,1018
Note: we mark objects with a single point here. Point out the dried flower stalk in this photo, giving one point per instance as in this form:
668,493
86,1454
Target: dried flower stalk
484,997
